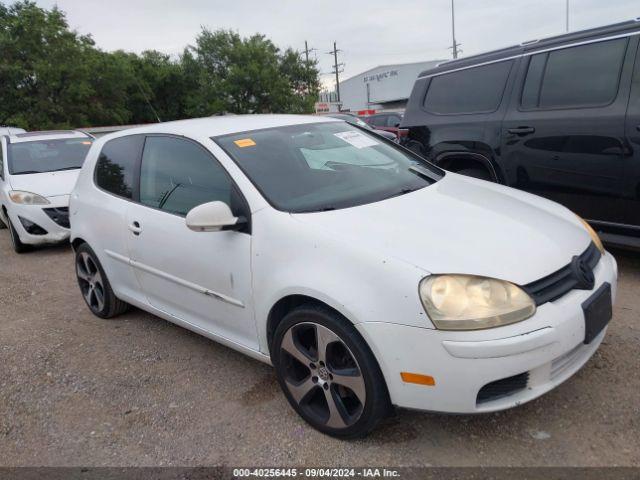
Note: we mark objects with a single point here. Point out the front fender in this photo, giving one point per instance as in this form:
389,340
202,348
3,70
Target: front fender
290,257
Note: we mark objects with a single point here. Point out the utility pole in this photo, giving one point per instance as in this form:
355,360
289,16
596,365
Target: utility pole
567,16
455,45
336,68
307,51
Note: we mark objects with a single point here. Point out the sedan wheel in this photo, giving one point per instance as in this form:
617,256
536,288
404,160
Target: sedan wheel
322,375
94,285
90,281
328,373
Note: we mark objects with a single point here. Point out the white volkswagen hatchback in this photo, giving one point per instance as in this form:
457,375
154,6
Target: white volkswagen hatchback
366,276
38,170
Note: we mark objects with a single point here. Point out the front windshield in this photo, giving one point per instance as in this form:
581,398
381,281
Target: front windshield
41,156
325,166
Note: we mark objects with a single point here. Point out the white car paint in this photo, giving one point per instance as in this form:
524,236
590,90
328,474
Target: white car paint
54,186
365,262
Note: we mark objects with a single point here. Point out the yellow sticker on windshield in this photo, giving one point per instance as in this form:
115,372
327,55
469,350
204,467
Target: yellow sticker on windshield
245,142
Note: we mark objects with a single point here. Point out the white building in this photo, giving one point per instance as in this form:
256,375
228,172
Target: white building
380,88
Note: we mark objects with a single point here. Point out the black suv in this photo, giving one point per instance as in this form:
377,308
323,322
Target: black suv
558,117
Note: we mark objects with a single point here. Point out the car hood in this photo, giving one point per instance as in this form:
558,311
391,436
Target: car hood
463,225
47,184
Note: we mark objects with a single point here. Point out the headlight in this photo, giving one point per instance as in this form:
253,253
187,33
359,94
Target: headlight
594,235
468,302
27,198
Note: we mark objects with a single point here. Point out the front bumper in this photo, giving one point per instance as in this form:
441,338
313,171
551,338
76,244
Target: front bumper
37,214
540,352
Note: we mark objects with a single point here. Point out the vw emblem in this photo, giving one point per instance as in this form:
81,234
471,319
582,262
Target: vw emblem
582,273
323,373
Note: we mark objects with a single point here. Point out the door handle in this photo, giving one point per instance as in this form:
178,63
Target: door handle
135,228
522,130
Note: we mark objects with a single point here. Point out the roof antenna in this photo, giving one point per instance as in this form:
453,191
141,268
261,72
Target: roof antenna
147,100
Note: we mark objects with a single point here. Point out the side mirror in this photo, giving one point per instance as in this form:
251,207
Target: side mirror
212,217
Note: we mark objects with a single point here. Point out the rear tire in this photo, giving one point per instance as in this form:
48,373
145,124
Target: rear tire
16,243
328,373
94,285
479,173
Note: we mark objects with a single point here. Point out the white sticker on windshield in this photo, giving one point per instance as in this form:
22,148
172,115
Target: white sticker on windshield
357,139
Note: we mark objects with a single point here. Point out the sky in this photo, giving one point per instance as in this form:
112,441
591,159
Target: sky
369,33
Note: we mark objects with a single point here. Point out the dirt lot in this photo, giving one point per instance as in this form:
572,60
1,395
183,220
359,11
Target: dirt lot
77,390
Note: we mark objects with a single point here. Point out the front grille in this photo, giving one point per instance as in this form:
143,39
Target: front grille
557,284
59,215
502,388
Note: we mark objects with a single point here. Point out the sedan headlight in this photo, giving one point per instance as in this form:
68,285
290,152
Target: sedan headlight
594,236
468,302
27,198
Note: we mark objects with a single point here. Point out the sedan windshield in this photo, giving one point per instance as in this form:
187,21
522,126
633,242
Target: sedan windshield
325,166
41,156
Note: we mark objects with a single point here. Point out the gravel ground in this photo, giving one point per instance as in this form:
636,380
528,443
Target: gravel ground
76,390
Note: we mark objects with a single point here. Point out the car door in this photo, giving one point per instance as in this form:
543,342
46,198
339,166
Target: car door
563,136
201,278
632,164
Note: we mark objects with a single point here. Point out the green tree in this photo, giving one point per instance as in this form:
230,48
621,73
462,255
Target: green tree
53,77
247,75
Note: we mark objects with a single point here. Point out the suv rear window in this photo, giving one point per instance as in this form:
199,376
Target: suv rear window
473,90
587,75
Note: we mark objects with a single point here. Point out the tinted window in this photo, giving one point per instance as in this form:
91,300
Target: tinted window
177,175
116,167
531,90
378,121
325,166
393,120
474,90
579,76
47,155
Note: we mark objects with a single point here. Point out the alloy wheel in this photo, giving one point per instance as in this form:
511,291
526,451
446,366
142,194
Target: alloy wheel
90,280
322,375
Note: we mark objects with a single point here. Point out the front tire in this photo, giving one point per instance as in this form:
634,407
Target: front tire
328,373
94,285
16,243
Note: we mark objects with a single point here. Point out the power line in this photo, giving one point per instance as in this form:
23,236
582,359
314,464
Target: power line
336,69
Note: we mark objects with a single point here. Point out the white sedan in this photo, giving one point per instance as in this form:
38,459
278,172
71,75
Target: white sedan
366,276
38,170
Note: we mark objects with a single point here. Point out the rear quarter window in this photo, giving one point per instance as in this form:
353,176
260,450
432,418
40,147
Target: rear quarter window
117,166
473,90
582,76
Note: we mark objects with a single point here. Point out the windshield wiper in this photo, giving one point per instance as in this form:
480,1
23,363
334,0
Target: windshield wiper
65,168
422,173
403,192
328,208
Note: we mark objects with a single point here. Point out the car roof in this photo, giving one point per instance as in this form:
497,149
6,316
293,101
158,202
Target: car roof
623,28
222,125
47,135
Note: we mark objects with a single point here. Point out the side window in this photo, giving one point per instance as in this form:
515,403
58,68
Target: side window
379,121
117,165
393,121
177,175
474,90
587,75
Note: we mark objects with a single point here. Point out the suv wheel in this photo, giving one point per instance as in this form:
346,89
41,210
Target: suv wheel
94,285
328,373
